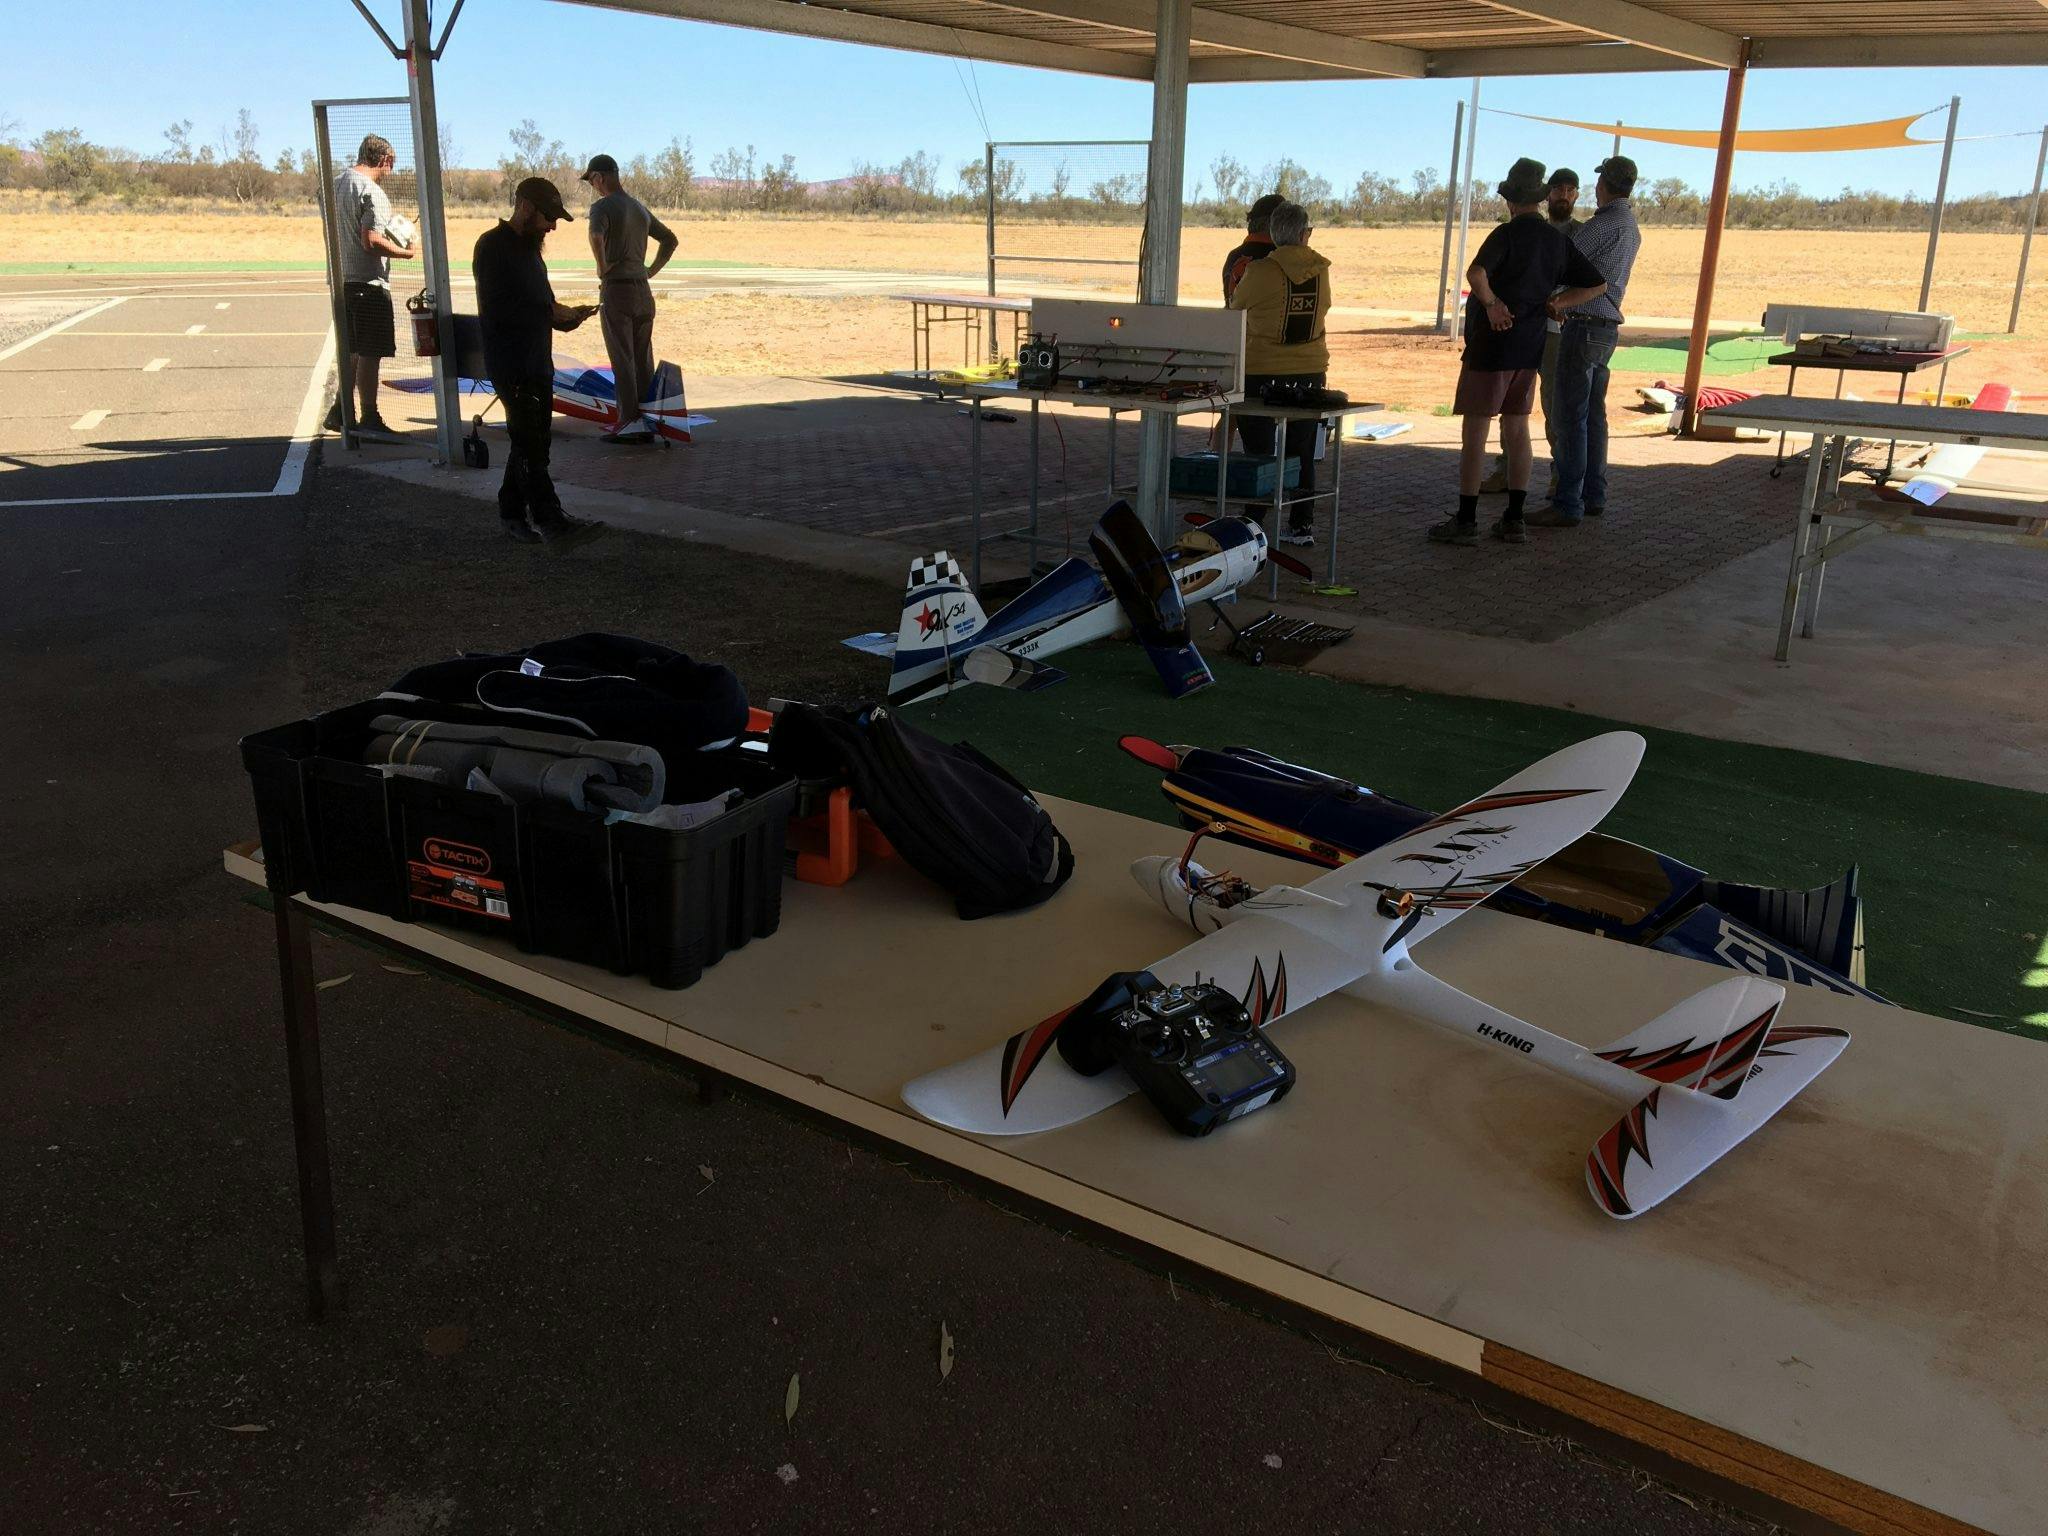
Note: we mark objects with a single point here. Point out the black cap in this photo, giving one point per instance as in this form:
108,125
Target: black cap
1564,177
1256,216
600,165
1619,172
1525,183
544,195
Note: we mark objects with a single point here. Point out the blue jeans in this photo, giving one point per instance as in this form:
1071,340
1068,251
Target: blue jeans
1579,441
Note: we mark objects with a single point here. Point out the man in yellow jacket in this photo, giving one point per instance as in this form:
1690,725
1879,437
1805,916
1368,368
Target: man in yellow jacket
1286,298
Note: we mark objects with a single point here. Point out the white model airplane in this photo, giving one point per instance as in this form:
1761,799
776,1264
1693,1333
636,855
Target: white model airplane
1698,1079
1952,466
944,641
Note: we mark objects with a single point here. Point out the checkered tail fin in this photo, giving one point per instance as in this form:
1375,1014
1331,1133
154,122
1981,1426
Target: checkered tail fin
939,612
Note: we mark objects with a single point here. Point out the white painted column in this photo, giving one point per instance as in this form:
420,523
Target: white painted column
426,149
1159,281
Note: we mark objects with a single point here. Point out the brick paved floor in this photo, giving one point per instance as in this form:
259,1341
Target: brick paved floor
882,466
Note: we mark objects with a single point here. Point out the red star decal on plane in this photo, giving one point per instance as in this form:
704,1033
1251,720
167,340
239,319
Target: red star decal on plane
928,619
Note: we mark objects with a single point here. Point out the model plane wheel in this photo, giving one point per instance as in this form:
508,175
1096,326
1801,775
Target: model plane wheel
1257,657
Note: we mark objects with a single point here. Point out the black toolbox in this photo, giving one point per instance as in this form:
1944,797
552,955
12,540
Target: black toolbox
637,899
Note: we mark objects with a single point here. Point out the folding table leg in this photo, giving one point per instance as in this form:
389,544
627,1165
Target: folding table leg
1808,504
309,1107
974,405
1831,480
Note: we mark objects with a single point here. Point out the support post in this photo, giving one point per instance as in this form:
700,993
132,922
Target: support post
309,1106
988,187
1710,252
1617,137
1948,149
2019,284
1159,281
1465,199
426,149
1443,276
345,389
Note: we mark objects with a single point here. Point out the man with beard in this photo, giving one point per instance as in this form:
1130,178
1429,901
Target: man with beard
517,312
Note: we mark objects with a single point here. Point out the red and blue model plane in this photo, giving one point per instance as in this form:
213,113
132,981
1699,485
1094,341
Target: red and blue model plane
1598,884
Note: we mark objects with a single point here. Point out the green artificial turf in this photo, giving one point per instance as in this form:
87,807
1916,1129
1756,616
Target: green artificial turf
1725,355
1955,874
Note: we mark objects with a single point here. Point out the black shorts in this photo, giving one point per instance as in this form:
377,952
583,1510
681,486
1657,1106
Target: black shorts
367,310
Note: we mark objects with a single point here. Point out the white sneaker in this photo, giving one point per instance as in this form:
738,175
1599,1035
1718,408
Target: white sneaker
1300,537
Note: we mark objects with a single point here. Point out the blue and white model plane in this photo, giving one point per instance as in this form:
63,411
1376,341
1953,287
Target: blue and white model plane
945,641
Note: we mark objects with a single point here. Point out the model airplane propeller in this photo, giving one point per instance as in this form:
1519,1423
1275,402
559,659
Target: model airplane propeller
1698,1079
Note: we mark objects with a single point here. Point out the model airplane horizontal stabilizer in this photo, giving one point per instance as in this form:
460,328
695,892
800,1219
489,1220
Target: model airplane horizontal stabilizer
998,668
591,394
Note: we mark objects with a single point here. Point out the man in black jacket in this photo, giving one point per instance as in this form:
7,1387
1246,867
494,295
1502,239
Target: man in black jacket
518,315
1257,242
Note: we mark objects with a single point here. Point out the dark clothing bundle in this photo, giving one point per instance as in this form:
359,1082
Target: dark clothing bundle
1526,260
603,687
516,305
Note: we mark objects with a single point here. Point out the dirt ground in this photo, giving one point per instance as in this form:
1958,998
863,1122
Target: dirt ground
1380,358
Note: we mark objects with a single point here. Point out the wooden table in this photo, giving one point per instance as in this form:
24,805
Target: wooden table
1831,524
1903,364
1842,1314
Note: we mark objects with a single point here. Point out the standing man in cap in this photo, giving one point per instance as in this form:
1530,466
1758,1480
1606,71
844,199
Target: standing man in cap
518,314
619,227
1523,264
1610,241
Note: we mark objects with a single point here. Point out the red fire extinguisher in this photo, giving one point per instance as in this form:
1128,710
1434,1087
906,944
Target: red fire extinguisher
426,325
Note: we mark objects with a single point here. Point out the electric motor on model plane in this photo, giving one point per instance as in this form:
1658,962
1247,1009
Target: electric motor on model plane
944,640
1697,1080
1600,885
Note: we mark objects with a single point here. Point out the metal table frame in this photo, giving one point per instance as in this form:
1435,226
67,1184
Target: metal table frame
1332,417
1830,524
1905,365
971,307
1113,405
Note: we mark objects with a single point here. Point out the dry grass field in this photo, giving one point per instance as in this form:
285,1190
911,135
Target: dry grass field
1378,355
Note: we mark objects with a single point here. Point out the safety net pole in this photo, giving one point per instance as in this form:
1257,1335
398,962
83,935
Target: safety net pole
1948,150
1443,275
2019,284
1710,253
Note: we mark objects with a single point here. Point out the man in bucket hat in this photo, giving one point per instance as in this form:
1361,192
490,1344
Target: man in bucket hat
1519,268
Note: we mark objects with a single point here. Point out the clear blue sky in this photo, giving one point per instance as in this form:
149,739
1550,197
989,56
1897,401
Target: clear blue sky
600,80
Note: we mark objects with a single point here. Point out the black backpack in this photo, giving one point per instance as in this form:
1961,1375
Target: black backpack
955,815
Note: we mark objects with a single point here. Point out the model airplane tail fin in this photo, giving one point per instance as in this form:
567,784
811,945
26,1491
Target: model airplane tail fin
939,613
1676,1132
1824,924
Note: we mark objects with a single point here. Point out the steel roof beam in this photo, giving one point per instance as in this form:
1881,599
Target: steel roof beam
1323,51
1626,23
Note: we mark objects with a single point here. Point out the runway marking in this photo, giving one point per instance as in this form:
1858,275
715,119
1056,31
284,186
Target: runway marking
155,365
226,335
221,305
194,330
293,469
88,421
62,325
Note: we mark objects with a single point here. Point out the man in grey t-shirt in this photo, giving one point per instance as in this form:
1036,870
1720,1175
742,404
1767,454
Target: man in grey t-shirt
620,226
362,217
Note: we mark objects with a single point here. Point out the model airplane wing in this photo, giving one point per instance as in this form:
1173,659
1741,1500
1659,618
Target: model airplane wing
1023,1084
1288,946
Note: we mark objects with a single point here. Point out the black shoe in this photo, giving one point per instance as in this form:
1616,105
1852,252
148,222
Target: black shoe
1550,517
519,530
376,424
1509,531
1452,531
333,421
1595,511
562,533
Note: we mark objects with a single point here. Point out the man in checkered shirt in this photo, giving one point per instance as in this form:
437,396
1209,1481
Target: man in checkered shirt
1610,241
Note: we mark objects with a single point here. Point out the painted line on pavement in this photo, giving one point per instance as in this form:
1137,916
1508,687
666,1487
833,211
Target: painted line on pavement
194,330
62,325
88,421
221,305
155,365
293,469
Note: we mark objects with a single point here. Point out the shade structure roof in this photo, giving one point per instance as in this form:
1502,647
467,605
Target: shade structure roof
1413,39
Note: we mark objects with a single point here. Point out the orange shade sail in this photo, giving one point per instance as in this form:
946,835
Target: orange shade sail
1887,134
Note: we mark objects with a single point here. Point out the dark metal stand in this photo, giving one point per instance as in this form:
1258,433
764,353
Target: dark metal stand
309,1106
